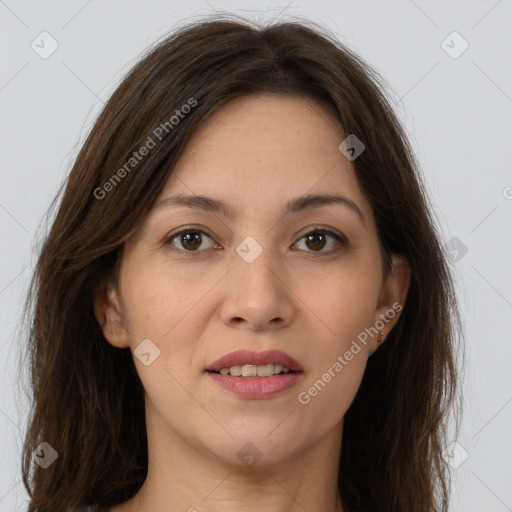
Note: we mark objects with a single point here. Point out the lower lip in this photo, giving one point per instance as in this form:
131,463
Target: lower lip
257,387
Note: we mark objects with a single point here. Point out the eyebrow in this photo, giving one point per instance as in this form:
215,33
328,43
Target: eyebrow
299,204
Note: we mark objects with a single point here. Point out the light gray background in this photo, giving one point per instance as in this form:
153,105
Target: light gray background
458,113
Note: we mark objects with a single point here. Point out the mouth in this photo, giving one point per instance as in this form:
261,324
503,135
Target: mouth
252,370
248,363
256,375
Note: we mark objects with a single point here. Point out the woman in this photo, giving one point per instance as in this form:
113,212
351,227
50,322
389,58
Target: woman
242,301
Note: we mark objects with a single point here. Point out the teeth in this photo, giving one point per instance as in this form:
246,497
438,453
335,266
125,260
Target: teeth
252,370
265,370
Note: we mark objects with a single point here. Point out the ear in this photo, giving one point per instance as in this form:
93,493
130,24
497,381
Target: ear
108,312
392,298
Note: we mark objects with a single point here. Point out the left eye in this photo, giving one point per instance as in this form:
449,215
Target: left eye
317,239
192,239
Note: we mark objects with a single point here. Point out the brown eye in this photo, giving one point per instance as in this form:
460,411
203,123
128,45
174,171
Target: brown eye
317,240
189,239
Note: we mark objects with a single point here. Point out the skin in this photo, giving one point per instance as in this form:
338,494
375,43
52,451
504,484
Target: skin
254,153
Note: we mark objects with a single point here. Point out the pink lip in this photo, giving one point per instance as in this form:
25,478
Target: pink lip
257,387
240,357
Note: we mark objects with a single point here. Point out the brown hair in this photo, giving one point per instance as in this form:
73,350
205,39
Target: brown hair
88,402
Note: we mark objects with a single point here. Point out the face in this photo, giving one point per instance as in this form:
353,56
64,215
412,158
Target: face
199,284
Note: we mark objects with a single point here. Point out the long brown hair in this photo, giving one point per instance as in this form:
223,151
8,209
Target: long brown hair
87,400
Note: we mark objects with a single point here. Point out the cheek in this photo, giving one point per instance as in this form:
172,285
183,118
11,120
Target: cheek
345,302
330,394
337,363
169,309
159,301
346,305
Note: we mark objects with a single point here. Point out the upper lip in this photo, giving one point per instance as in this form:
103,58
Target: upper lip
241,357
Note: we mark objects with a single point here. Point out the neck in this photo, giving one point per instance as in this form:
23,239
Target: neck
183,476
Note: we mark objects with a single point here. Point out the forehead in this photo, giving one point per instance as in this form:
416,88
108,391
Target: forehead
266,148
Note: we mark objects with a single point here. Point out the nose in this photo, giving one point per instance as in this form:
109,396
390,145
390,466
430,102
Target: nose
259,295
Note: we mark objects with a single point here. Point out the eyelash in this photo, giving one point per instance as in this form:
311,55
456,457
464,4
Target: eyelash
338,237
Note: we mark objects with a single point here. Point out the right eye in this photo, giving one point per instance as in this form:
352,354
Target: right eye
189,239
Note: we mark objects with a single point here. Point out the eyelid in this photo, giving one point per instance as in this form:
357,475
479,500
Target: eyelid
201,230
169,239
330,231
338,236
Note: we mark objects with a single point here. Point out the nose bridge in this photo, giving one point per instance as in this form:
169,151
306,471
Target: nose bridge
256,262
257,293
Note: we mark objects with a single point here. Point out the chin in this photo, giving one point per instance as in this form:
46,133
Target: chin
254,443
